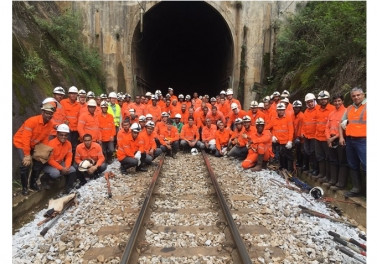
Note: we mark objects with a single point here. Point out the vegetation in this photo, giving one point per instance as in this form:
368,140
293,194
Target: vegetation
315,44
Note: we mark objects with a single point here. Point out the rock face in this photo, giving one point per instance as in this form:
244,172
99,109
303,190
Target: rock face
113,27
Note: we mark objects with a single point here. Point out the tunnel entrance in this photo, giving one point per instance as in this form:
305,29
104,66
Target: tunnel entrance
184,45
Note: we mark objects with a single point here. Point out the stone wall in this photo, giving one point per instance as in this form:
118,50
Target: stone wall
110,27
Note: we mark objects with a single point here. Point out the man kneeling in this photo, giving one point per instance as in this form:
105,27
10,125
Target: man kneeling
259,147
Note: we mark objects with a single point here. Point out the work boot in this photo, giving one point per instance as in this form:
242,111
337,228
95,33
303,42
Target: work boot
264,164
141,168
258,167
109,158
24,181
322,171
342,179
356,184
45,182
33,180
333,175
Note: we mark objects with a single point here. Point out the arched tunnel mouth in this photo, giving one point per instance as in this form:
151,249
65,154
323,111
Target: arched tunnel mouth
184,45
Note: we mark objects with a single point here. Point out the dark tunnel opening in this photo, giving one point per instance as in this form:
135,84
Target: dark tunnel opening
184,45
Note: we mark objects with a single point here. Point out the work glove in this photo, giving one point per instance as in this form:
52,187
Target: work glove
288,145
274,139
344,124
26,161
138,157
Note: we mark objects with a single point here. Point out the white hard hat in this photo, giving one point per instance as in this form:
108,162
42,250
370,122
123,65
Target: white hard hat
233,106
153,97
62,128
229,91
280,106
131,110
85,165
112,95
323,95
135,127
82,91
158,92
48,107
261,105
194,151
259,121
49,100
254,104
164,114
213,99
90,94
297,103
59,90
246,118
222,92
103,96
91,102
150,124
142,118
284,100
316,192
309,97
104,104
148,94
188,96
170,89
181,96
276,93
149,116
266,99
73,89
238,120
285,93
178,116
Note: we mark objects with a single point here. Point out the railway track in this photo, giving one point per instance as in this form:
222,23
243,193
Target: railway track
190,223
184,221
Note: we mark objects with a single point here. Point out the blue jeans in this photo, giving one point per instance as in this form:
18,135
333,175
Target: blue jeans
356,150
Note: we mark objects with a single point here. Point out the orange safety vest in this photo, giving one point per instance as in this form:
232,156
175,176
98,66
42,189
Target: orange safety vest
357,121
61,152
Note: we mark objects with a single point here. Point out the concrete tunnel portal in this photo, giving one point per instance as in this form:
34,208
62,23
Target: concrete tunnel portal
184,45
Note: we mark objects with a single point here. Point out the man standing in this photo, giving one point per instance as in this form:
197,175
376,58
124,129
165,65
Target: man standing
89,151
337,153
33,131
59,115
108,133
60,161
72,110
88,123
115,110
354,122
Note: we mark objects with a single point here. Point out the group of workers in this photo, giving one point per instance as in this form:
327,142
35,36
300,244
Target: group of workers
79,136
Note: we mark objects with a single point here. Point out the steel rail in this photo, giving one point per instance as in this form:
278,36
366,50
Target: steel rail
245,258
139,221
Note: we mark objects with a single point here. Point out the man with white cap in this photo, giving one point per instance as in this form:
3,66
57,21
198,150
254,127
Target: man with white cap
154,109
60,162
59,115
33,131
235,113
254,112
281,128
72,110
88,123
108,132
177,122
150,145
231,100
115,110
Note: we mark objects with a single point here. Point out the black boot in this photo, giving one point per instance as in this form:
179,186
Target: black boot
141,167
342,179
333,175
70,182
45,181
33,180
356,184
322,170
80,175
24,180
326,174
